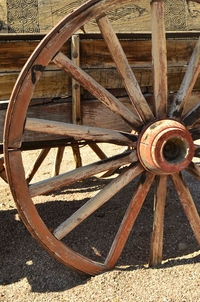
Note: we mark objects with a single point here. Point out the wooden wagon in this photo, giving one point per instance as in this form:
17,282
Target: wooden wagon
83,85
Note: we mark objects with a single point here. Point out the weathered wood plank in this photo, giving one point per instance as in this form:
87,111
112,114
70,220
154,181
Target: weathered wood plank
81,173
98,62
158,225
96,90
80,132
14,54
52,84
76,89
92,112
159,59
94,53
58,83
187,85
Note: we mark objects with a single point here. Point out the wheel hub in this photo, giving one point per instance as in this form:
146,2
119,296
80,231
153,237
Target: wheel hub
165,147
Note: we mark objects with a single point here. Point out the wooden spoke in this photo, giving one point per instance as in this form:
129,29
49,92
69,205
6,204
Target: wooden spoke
76,154
197,151
80,132
180,102
194,170
187,203
195,132
97,201
129,219
2,170
97,150
58,160
82,173
43,154
159,57
158,226
125,70
97,90
192,117
101,155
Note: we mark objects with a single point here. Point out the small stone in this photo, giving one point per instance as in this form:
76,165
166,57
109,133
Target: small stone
182,246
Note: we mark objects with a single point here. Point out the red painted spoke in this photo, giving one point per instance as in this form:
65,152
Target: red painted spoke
129,219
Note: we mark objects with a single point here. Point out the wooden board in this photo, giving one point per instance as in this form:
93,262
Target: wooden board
35,16
93,113
96,60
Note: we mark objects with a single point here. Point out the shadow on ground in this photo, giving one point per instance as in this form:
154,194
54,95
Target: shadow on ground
22,257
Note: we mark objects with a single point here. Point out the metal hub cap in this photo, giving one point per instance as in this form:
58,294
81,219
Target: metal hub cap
165,147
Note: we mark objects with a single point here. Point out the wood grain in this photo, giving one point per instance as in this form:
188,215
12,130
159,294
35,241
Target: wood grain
96,61
80,132
187,85
39,160
159,59
129,219
123,67
81,173
187,203
158,225
97,90
97,201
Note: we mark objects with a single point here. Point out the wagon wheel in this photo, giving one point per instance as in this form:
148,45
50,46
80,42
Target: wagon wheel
164,144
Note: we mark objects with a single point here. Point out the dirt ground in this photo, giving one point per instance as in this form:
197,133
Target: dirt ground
28,273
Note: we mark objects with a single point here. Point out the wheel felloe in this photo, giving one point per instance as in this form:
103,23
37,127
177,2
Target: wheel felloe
165,147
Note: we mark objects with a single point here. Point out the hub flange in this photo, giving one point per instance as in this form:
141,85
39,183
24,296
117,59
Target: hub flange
165,147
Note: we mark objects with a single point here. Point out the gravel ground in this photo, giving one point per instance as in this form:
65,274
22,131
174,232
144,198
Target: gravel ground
28,273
